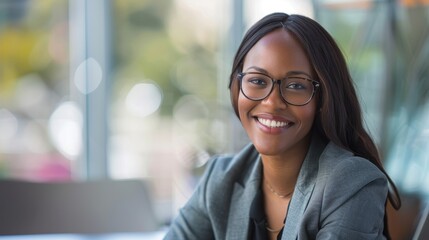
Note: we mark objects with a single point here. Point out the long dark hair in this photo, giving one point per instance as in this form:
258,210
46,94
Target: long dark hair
340,117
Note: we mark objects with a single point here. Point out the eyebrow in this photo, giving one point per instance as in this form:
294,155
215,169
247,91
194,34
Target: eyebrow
290,73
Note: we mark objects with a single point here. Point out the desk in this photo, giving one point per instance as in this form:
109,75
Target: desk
158,235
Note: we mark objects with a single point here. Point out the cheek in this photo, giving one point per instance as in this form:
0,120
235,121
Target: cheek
308,115
244,106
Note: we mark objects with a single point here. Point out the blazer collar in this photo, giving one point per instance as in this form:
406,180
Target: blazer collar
303,188
246,187
244,192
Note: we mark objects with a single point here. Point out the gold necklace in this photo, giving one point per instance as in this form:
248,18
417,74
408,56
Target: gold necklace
278,194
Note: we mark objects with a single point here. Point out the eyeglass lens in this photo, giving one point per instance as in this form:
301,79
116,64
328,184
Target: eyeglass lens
294,90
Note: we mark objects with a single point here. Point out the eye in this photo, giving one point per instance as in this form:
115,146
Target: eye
258,81
296,84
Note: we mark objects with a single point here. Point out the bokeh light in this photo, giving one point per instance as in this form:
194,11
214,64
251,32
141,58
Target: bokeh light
144,99
65,129
8,126
88,76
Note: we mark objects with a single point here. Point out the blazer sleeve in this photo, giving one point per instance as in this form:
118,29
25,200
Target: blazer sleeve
193,220
354,202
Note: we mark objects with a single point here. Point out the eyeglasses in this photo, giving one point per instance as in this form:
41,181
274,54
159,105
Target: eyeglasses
295,90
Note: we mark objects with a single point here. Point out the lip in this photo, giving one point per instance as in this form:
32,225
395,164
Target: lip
282,123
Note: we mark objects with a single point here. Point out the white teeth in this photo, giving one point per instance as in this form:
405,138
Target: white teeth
272,123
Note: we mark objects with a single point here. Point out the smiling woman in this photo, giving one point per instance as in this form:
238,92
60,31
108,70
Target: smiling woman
310,167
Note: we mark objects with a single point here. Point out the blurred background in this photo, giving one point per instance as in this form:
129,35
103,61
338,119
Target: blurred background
93,89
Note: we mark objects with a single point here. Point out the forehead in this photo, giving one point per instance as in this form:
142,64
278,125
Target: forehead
278,53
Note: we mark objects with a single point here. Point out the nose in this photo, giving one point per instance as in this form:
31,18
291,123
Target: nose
275,99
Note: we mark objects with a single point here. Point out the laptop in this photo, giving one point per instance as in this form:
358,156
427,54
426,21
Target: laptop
90,207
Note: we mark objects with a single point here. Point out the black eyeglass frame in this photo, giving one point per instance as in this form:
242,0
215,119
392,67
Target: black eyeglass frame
315,84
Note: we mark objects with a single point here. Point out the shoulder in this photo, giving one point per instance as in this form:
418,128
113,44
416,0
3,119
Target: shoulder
344,176
338,163
349,198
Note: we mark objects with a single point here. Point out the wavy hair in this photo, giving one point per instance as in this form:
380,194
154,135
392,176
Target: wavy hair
340,116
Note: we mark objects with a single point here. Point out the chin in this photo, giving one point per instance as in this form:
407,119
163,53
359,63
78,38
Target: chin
270,149
283,147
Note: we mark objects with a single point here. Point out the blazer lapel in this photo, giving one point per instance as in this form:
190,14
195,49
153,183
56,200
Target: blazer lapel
303,189
297,207
242,197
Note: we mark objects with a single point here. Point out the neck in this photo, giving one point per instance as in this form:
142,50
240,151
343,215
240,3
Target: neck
280,177
281,172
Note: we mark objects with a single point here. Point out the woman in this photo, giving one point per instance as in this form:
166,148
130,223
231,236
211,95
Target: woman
311,171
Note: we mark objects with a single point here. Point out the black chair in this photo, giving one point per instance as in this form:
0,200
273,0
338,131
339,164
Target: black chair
92,207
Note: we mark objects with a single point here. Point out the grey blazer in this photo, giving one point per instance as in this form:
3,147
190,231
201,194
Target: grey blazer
337,196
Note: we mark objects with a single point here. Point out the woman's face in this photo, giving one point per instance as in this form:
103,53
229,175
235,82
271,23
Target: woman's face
278,55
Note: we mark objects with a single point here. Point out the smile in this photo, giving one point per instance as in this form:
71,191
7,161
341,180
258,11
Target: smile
272,123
